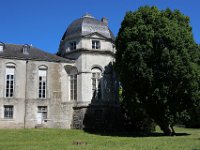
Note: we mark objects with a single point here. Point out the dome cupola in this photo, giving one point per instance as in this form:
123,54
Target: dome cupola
87,34
87,24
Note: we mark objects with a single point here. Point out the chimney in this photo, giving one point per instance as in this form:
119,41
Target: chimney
2,45
104,20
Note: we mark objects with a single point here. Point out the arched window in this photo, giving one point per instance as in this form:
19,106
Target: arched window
42,78
96,83
73,84
10,80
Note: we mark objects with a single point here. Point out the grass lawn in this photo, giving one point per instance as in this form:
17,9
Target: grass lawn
60,139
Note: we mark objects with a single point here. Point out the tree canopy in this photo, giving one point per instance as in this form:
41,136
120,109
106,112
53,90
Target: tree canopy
157,61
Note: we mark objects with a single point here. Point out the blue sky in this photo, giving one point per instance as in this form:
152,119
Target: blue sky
43,22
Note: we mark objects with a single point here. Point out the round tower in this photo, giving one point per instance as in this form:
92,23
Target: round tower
90,43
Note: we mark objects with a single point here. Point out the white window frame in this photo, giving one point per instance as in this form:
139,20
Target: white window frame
44,111
73,87
96,44
9,81
42,83
8,111
96,83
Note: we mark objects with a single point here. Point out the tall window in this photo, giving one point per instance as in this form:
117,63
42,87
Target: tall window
72,45
95,44
96,83
8,111
42,83
10,77
73,87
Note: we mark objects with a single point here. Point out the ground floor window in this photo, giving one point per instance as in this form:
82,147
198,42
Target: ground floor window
42,114
8,111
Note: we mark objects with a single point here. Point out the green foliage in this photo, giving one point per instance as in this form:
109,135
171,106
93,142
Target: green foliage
157,62
60,139
194,118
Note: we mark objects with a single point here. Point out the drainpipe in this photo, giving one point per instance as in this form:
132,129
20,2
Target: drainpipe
25,102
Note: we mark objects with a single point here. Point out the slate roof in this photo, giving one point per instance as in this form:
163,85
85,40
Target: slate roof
87,25
13,51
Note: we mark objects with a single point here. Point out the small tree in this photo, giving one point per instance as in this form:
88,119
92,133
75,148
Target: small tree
156,61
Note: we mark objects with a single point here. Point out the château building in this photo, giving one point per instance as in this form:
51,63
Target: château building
77,88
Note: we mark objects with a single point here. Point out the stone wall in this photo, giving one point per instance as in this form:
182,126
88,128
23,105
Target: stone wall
97,117
25,100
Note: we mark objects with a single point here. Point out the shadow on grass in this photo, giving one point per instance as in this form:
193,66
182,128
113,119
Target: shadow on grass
132,134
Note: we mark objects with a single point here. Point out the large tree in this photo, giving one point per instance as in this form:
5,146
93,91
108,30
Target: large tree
157,63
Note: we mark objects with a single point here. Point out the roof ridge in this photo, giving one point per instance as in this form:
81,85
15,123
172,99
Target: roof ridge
31,46
15,44
13,51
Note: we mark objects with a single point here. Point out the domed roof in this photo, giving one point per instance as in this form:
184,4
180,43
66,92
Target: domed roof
87,25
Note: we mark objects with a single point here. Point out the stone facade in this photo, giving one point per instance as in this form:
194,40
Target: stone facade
80,86
25,100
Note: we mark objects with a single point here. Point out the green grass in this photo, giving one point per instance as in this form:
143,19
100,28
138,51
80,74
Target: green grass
60,139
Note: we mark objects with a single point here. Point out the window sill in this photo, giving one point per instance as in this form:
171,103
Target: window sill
9,98
42,99
9,119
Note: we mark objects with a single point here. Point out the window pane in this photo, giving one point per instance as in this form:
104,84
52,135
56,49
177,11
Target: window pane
73,87
9,81
75,84
44,115
71,94
93,75
95,44
93,84
73,45
42,83
98,75
75,95
96,84
43,111
8,112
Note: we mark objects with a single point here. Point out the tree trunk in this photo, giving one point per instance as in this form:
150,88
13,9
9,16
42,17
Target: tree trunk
173,131
167,129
